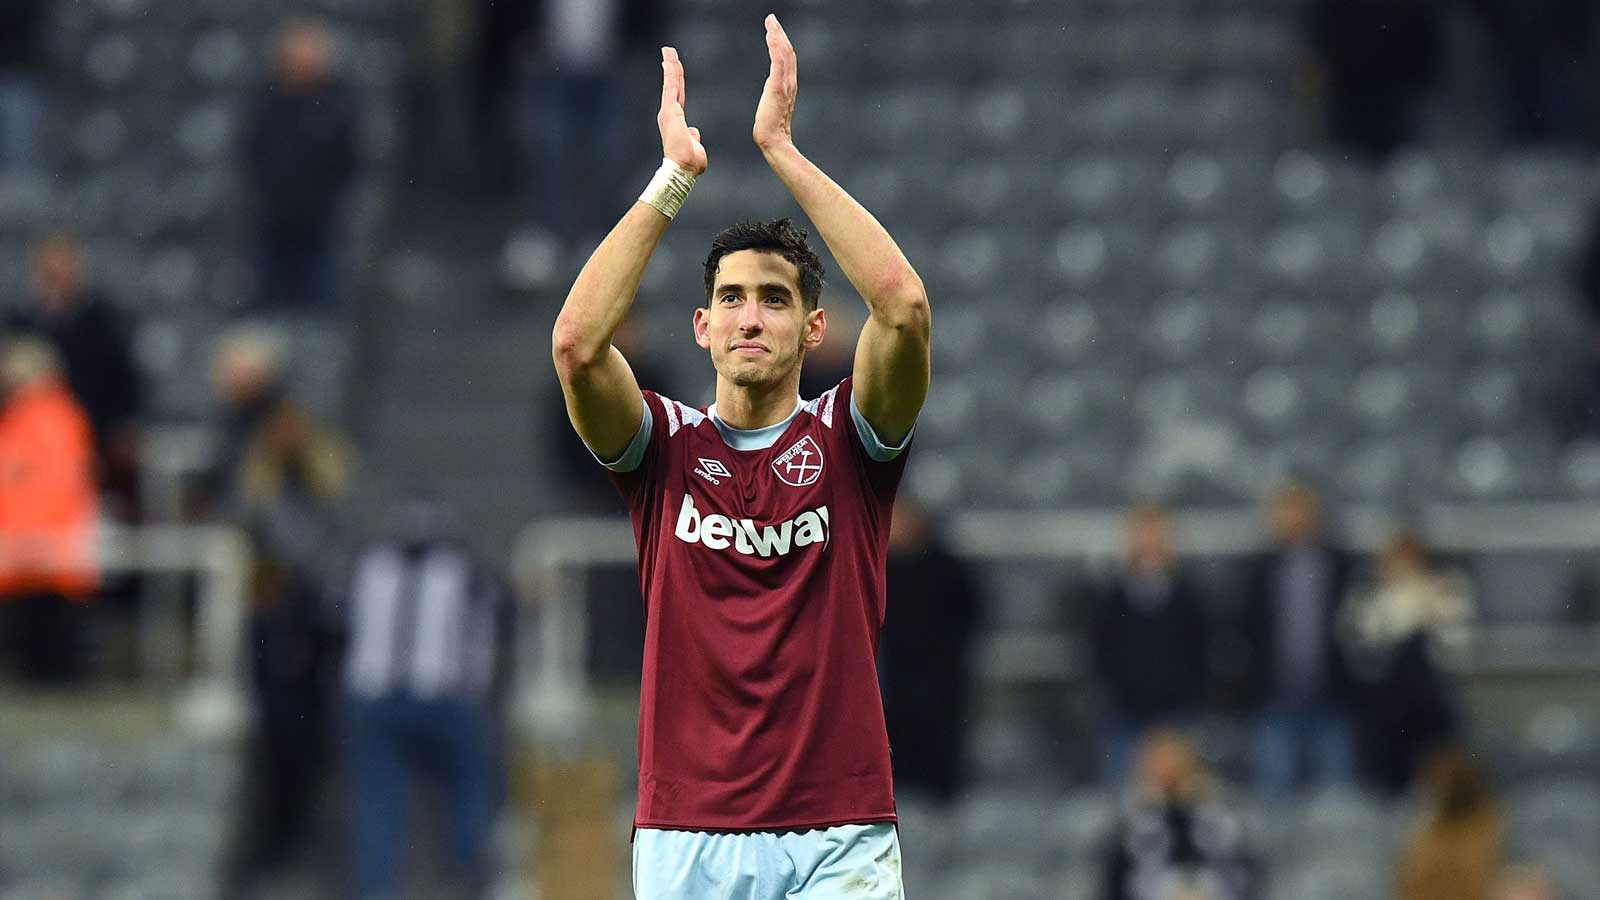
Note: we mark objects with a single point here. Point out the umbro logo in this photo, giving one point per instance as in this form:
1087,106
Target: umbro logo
711,470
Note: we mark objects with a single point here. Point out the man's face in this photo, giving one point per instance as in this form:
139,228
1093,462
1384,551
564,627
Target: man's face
757,327
1150,542
1295,516
304,56
56,274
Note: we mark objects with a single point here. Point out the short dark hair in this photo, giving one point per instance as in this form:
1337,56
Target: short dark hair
779,236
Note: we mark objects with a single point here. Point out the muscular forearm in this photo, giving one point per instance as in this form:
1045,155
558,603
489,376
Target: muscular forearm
866,253
603,294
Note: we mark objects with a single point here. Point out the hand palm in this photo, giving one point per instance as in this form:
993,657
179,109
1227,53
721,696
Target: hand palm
775,113
680,142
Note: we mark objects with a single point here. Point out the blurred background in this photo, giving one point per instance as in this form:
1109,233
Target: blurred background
1250,546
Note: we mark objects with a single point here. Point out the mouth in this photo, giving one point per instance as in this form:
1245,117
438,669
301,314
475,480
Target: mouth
749,349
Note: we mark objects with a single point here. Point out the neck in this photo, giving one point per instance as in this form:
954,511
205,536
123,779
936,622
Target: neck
757,406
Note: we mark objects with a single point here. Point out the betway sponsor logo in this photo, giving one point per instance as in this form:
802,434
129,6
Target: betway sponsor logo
720,532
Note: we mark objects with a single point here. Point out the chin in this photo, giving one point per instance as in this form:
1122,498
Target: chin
752,374
749,377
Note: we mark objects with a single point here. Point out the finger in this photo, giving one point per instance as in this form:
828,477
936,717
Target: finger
672,77
668,93
780,50
775,31
694,133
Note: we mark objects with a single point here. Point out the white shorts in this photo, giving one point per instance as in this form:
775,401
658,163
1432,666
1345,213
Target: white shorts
846,862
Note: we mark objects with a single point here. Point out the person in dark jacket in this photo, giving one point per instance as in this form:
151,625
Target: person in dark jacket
1584,417
95,348
21,93
1376,59
933,604
1544,53
573,53
1147,634
1298,680
301,152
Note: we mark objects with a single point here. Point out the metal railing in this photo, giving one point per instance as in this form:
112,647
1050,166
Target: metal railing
551,558
212,703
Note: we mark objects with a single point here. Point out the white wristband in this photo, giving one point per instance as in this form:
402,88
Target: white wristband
669,188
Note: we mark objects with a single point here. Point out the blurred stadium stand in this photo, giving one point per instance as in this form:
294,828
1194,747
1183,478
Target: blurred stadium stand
100,797
1148,283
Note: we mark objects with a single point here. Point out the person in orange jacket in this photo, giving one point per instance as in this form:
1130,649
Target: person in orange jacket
48,507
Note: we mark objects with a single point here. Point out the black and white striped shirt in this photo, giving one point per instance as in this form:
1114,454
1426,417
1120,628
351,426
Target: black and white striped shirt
425,621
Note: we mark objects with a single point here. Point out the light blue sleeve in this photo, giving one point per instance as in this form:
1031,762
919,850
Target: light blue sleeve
632,457
876,448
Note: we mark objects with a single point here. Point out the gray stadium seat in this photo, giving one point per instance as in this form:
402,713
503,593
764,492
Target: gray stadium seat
1352,878
1501,465
220,58
1083,823
1580,467
1558,816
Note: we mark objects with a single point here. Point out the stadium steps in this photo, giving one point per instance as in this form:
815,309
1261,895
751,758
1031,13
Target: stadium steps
102,797
451,371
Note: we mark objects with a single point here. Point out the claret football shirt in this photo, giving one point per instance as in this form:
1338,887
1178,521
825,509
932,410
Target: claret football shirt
761,561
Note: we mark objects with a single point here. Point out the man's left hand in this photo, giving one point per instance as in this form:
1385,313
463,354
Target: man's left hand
774,126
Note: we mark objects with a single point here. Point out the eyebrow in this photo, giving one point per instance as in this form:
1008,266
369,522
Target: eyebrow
767,288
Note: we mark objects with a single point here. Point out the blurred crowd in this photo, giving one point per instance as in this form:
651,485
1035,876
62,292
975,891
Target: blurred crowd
1339,670
1336,667
374,637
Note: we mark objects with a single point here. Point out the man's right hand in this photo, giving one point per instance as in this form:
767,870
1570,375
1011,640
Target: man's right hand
679,142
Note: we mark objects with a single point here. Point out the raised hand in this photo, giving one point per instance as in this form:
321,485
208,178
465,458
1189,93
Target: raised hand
775,114
680,142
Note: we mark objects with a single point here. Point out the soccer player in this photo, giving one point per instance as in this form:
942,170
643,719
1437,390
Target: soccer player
762,523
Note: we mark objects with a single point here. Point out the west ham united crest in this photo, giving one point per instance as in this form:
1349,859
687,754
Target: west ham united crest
801,464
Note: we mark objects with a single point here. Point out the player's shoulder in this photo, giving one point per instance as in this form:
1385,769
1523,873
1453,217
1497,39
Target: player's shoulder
676,416
826,407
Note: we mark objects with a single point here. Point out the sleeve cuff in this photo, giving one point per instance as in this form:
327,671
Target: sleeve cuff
876,448
632,457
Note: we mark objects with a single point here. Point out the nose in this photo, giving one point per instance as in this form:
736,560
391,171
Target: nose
749,318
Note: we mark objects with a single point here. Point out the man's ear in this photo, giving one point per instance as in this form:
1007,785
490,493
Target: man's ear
816,329
702,327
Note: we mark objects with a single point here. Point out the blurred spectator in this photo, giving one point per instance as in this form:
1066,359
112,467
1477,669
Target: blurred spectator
1544,51
1397,629
21,76
291,481
429,628
932,614
1525,882
95,348
47,515
576,51
1589,272
1586,416
301,152
1147,634
246,375
1298,676
502,34
1177,838
1457,849
1374,59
